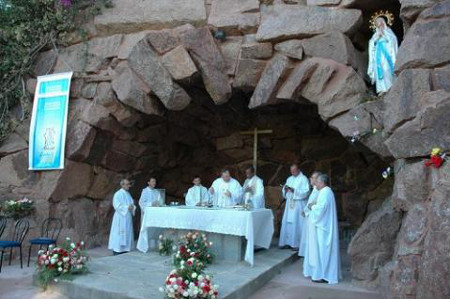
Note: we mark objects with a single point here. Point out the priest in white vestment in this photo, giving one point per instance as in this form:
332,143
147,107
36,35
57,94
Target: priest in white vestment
121,237
253,189
311,200
150,197
225,191
295,191
322,260
197,195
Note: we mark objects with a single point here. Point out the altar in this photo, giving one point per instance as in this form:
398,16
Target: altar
234,232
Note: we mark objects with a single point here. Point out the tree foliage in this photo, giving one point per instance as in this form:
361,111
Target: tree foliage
26,28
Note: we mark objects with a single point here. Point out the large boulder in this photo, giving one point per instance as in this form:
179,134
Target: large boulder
248,73
296,80
429,129
374,242
205,53
234,16
412,181
425,43
336,46
404,98
334,87
271,79
14,143
281,22
179,63
127,16
230,50
292,48
435,262
145,62
410,9
80,137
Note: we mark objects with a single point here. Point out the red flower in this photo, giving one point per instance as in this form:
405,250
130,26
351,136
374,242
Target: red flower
435,161
206,288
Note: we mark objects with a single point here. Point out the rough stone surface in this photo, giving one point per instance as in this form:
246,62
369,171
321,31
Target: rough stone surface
136,15
425,44
80,142
428,130
162,40
146,64
270,80
410,9
291,48
248,73
300,22
14,143
411,185
230,49
179,63
296,80
204,51
256,50
373,244
336,46
235,16
404,98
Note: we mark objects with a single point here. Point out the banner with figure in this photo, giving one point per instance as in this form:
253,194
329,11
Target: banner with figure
49,122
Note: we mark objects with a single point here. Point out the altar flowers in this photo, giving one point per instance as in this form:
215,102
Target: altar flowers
194,245
188,279
436,158
61,262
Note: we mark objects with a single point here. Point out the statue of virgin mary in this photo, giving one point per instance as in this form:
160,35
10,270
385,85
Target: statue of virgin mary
383,48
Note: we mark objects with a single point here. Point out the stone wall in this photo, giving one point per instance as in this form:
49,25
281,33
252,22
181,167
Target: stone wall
139,89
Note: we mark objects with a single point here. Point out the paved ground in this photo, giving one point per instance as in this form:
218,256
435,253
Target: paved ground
16,283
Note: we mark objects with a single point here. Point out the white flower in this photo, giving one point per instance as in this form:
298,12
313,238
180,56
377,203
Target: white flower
192,253
174,247
182,263
161,289
72,245
59,263
52,261
66,259
82,243
200,277
55,280
210,243
185,294
160,237
194,275
59,269
175,287
385,175
65,270
388,169
41,252
47,262
67,239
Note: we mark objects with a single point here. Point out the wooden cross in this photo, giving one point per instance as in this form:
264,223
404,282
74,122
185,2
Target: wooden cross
255,133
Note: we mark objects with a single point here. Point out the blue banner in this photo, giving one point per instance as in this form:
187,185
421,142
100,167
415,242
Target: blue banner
49,122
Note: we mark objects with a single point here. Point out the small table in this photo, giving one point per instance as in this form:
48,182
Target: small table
256,226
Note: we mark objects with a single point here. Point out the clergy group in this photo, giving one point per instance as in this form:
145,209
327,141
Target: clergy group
309,223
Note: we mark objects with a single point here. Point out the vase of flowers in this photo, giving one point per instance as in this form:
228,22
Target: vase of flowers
17,209
61,262
194,245
189,285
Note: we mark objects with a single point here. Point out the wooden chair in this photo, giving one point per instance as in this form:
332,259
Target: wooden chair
51,228
20,231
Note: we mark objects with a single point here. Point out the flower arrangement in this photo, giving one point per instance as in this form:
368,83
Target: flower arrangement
437,158
17,209
165,245
188,280
194,245
179,285
61,262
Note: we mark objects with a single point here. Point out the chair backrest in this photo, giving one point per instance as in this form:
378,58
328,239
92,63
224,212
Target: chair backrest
20,230
51,227
3,222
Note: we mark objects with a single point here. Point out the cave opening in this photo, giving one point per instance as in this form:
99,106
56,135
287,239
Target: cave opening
204,138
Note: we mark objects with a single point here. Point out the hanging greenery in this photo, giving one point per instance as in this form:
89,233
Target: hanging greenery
26,28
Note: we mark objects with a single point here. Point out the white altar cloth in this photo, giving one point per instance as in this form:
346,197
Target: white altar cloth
255,225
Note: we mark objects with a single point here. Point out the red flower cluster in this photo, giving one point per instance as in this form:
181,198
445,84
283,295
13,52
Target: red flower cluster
435,161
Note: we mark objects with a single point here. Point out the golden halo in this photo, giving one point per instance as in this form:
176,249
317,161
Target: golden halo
386,14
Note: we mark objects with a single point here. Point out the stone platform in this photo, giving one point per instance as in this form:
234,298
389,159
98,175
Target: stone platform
139,275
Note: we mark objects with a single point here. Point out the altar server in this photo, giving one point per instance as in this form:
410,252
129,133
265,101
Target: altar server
198,194
121,238
311,199
322,260
150,197
253,189
225,191
295,191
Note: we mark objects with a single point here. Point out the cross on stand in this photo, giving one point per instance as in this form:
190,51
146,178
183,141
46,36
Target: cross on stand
255,133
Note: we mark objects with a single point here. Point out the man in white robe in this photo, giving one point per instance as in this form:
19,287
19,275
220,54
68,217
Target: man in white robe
150,197
295,191
197,195
311,199
253,189
225,191
322,260
121,237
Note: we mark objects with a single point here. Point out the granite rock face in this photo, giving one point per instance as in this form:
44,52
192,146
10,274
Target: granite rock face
157,91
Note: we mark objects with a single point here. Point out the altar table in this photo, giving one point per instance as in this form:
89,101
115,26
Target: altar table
255,225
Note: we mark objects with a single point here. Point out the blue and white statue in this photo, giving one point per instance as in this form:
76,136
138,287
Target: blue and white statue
383,47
